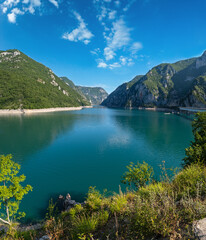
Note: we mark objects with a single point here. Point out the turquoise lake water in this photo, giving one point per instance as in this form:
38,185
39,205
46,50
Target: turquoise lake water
65,152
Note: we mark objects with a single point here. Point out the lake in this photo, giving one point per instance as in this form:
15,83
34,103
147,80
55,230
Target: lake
65,152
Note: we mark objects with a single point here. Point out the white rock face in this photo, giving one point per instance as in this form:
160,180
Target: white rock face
16,53
200,229
9,56
65,93
40,81
54,83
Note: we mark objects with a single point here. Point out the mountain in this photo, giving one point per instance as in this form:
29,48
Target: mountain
119,97
167,85
95,95
25,83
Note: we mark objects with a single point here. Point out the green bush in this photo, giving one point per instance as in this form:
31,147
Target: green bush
76,210
139,174
191,180
87,224
156,215
94,199
196,153
154,188
118,203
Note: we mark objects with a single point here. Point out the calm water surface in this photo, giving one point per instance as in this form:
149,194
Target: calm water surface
70,151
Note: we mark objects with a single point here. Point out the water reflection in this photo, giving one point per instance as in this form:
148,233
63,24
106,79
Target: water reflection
23,135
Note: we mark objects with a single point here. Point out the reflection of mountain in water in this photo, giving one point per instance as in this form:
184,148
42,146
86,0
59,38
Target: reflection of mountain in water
150,124
159,136
23,135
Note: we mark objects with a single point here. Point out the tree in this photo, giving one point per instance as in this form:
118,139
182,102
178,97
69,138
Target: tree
11,190
196,152
139,174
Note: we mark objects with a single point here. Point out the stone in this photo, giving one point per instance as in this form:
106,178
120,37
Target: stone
200,229
68,197
46,237
60,203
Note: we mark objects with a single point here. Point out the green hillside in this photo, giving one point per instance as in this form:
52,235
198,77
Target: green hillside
166,85
27,84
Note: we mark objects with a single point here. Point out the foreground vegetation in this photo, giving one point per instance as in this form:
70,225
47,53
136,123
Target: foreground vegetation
148,210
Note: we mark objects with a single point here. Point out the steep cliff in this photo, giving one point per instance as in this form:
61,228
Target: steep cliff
95,95
166,85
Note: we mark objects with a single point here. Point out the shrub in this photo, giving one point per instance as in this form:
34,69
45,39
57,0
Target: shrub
86,224
192,209
76,210
139,174
156,215
94,199
155,188
196,153
118,203
191,180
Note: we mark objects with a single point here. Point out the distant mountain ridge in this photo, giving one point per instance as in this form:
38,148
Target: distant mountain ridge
167,85
27,84
95,95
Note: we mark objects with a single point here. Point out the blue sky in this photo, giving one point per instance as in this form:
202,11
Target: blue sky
103,42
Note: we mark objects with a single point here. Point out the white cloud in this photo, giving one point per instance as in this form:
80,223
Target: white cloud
117,3
4,9
24,6
54,2
120,49
103,13
12,16
114,65
112,14
127,7
109,53
10,3
32,5
81,33
126,61
123,60
96,51
102,65
136,46
119,36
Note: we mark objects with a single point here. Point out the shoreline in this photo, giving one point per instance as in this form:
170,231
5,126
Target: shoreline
145,108
42,110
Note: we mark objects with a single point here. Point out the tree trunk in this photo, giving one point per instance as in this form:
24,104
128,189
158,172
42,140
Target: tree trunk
7,212
4,221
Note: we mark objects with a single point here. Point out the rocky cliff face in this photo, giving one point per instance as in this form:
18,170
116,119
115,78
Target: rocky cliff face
119,97
95,95
166,85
